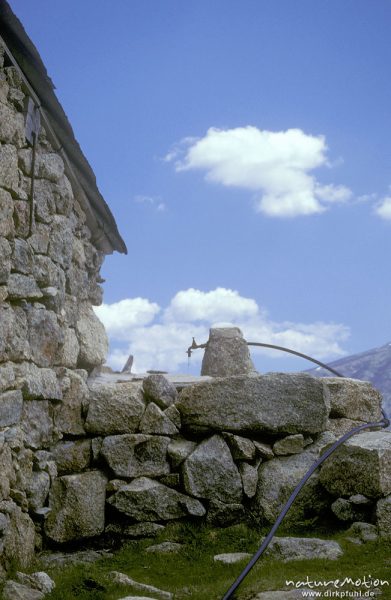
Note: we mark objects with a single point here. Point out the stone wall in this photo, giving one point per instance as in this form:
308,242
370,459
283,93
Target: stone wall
223,450
50,337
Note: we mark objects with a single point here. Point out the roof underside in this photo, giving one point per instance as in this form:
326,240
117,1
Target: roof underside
102,223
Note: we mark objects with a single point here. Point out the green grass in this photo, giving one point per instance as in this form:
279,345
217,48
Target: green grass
192,574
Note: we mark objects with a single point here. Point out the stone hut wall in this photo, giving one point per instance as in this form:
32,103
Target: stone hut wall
50,337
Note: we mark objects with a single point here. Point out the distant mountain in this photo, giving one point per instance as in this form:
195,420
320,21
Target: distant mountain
372,365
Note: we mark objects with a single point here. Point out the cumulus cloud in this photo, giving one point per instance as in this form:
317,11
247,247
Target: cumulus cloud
158,337
276,165
383,209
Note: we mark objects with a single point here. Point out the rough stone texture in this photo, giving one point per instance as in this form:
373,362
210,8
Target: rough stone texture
37,383
209,472
5,264
37,424
277,479
179,450
341,426
17,591
10,408
9,178
360,466
114,408
13,334
345,510
226,353
291,444
353,399
78,507
221,514
143,530
68,415
7,376
174,415
38,580
72,456
6,211
38,489
232,558
68,352
92,338
365,532
147,500
241,448
291,548
249,475
155,421
23,286
383,516
263,450
136,586
274,403
136,455
19,539
45,336
282,594
158,389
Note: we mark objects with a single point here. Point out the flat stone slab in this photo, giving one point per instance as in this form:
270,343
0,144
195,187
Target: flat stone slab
231,558
286,549
281,595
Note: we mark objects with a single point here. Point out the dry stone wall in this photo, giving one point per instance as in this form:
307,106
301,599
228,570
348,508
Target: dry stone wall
50,338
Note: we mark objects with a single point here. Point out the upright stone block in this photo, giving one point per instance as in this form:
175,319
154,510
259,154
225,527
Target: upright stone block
226,353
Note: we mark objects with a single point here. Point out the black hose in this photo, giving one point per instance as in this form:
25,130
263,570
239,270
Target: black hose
383,424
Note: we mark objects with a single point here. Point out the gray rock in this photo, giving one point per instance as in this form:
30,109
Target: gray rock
291,444
353,399
209,472
45,336
159,390
11,404
50,166
68,352
92,338
226,353
13,334
221,514
64,559
249,475
274,403
136,455
360,500
17,591
6,212
282,594
138,598
5,265
147,500
365,532
291,548
7,376
9,174
23,286
362,465
172,480
21,218
19,540
48,274
38,490
114,408
38,383
72,456
37,424
61,240
241,448
231,558
179,450
277,478
39,240
383,516
341,426
143,530
38,580
136,586
155,421
78,507
165,548
174,415
22,257
345,510
68,415
263,450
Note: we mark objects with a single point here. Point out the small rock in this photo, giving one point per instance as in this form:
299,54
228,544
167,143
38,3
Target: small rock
232,557
158,389
123,579
366,532
291,548
38,581
383,516
249,475
155,421
143,530
291,444
226,353
17,591
165,547
263,450
241,448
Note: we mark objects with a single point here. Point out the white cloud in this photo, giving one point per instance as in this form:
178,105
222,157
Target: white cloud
158,339
120,318
383,209
275,165
153,201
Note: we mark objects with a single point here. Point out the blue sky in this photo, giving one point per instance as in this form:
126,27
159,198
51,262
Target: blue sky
244,149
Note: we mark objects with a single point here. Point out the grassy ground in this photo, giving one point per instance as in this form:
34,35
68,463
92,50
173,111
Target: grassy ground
192,574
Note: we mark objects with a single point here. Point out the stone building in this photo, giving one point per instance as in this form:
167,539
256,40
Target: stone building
55,229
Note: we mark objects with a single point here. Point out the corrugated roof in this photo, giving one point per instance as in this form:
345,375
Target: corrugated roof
100,219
